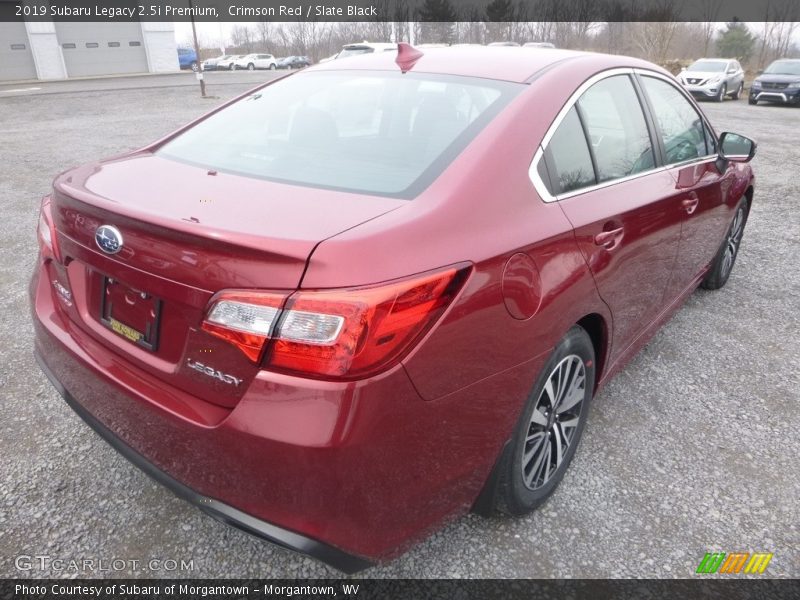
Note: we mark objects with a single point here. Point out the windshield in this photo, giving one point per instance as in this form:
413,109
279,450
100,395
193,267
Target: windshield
709,66
381,133
784,68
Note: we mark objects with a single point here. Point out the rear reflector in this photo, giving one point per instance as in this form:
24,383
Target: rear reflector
46,232
334,334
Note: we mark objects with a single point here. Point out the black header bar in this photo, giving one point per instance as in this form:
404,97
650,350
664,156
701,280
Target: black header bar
401,10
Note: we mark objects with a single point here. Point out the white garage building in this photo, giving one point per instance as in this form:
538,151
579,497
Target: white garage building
48,50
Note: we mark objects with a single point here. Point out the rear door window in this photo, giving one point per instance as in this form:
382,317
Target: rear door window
569,162
615,124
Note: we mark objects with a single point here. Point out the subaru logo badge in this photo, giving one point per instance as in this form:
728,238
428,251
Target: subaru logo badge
108,239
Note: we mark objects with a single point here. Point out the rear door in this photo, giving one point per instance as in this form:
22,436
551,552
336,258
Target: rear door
690,154
602,164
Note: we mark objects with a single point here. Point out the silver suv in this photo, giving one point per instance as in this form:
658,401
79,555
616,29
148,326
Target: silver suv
714,78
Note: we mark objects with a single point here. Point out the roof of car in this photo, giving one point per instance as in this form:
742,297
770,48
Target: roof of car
497,62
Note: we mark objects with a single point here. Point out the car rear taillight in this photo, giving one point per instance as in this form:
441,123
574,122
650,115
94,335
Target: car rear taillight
46,231
245,319
334,334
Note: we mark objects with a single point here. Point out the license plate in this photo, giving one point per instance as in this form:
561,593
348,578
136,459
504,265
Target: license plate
130,313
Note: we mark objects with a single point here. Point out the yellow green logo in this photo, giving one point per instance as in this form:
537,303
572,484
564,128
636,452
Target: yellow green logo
734,562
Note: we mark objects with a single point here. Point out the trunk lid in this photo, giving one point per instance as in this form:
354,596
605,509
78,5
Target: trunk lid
187,233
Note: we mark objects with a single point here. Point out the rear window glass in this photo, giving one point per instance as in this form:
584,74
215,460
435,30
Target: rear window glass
379,133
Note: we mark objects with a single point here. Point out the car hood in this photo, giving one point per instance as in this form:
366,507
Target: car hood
701,74
777,78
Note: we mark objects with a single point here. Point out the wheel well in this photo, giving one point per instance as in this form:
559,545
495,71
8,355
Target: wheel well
749,195
595,326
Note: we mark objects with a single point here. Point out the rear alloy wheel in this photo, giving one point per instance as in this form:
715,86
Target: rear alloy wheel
272,67
726,256
251,67
738,93
195,67
550,428
722,91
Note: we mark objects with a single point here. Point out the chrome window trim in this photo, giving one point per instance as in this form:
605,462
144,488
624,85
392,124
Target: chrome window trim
533,172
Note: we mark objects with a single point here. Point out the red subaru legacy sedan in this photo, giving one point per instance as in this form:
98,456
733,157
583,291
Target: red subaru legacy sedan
368,297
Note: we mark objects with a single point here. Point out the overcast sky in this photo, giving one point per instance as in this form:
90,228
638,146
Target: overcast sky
217,32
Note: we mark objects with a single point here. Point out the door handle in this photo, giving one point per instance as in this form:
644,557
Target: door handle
690,204
609,239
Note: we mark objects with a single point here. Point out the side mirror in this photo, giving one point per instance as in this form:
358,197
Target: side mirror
731,71
734,148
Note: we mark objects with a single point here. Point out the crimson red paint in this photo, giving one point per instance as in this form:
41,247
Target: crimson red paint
372,351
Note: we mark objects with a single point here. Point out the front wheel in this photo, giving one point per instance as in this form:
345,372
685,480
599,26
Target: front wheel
723,90
273,66
550,427
726,256
195,67
752,101
251,67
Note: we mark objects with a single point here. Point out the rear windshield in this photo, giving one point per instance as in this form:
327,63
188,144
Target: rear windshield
709,66
380,133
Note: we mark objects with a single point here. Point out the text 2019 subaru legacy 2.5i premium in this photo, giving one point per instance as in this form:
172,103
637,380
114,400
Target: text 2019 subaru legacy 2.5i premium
364,299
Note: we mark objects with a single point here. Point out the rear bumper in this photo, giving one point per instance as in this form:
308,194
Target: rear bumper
348,472
218,510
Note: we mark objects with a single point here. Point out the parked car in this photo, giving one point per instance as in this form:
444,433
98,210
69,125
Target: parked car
349,50
538,45
778,83
187,59
227,62
252,62
211,64
294,62
714,78
361,332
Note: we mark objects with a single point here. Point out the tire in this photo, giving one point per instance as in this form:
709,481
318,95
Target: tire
529,471
752,101
738,93
273,66
723,263
723,90
195,67
251,67
231,67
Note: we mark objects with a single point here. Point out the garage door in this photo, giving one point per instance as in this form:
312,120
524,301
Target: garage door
102,48
16,59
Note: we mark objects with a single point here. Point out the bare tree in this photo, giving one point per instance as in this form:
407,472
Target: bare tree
243,38
709,11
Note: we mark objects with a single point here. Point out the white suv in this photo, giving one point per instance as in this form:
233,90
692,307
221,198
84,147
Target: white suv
713,78
256,61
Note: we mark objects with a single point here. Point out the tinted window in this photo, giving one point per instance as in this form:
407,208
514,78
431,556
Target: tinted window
681,128
568,160
371,132
616,127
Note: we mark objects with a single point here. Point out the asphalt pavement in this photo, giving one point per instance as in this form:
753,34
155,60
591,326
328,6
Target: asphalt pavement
692,448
